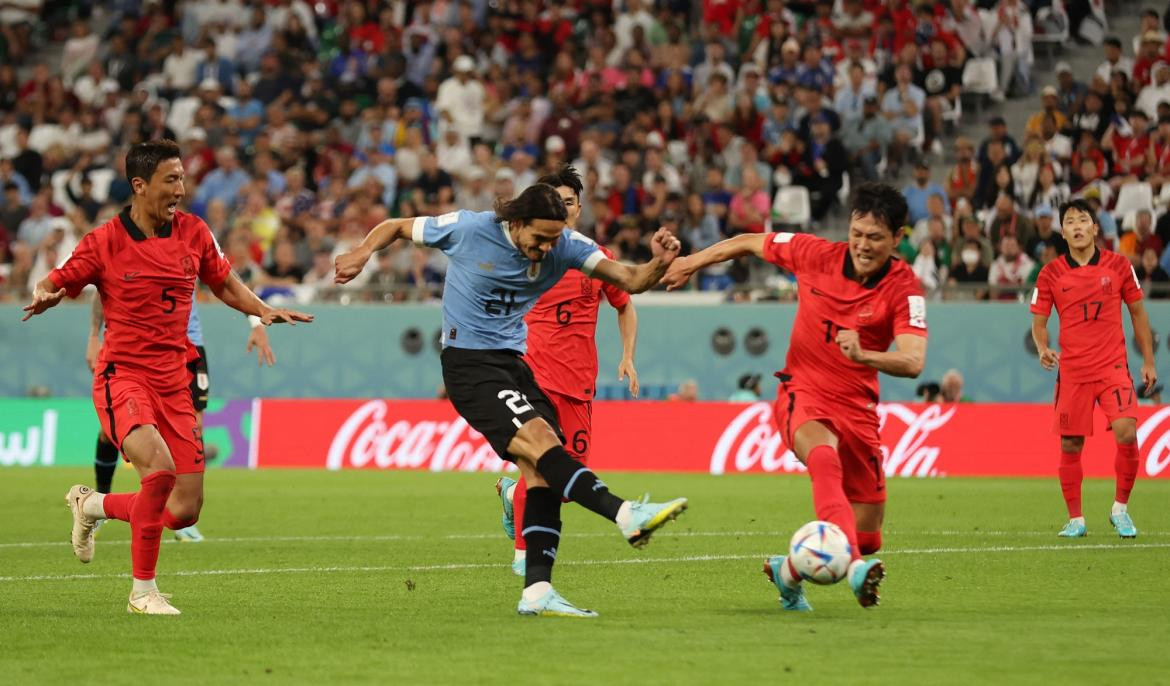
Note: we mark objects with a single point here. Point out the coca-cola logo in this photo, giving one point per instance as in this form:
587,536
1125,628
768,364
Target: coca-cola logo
1156,447
368,439
751,442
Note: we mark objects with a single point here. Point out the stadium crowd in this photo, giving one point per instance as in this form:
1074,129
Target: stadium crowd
303,124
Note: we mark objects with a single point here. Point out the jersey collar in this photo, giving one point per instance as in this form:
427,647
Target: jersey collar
872,282
1093,261
164,231
508,236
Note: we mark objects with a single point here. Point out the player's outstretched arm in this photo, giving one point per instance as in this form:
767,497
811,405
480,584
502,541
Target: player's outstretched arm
350,264
45,295
1049,358
640,278
236,295
906,359
627,318
1145,340
737,246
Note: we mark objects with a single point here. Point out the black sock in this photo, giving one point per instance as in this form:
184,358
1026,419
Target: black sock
574,481
105,463
542,533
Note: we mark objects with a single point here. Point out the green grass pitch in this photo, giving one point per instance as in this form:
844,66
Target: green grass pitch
403,578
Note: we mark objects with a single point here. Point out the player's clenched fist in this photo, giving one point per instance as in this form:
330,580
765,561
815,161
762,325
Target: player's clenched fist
665,245
850,344
350,264
1049,358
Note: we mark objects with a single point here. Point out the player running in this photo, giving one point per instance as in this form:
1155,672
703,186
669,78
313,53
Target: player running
562,353
501,262
1087,287
105,458
144,263
856,299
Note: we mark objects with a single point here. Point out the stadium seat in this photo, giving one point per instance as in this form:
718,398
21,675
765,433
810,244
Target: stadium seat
1134,197
953,117
792,208
980,80
1048,17
843,192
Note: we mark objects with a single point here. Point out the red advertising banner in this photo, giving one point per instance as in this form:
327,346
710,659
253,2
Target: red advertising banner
719,438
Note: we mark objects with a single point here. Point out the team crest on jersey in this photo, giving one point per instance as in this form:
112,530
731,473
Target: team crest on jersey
188,265
1106,285
865,313
533,271
132,407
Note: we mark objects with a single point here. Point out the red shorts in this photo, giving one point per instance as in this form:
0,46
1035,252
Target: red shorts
576,419
858,441
126,401
1074,402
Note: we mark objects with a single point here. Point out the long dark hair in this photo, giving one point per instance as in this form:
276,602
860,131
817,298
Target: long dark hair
566,176
143,159
538,201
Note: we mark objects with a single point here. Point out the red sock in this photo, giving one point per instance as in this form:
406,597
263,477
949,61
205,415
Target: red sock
829,501
869,542
118,505
1070,482
519,497
146,522
1126,467
173,523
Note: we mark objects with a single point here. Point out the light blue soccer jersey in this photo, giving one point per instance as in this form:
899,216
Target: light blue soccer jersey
194,328
491,285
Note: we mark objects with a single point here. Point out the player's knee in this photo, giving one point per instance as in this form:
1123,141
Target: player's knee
177,516
1125,433
533,439
1071,444
869,542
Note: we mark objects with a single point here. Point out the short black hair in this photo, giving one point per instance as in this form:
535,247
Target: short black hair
143,159
11,186
565,176
1078,204
1114,41
538,201
883,202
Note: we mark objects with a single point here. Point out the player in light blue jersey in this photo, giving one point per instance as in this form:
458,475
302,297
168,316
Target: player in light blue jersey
105,458
500,264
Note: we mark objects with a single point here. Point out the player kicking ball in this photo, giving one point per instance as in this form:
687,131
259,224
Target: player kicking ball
501,263
1087,287
144,263
562,353
105,458
856,299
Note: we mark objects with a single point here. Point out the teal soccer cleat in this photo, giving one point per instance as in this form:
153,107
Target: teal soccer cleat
647,517
189,535
551,604
1074,530
864,578
520,566
507,519
1124,525
790,598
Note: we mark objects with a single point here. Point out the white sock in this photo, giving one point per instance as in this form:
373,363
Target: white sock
1077,520
93,506
623,515
786,575
1118,508
144,586
511,494
520,555
536,591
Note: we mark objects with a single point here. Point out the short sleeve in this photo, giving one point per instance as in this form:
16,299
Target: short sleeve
1131,288
1042,293
910,309
580,251
616,297
213,266
82,268
442,232
790,250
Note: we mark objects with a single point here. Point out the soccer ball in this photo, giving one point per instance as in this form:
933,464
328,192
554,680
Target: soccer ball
820,553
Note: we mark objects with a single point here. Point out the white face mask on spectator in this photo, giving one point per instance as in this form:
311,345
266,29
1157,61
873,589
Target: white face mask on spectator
970,257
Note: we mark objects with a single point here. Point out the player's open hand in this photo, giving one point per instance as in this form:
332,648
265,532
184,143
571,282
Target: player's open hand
665,245
1149,379
850,344
1049,358
677,275
279,315
42,300
349,265
258,339
626,371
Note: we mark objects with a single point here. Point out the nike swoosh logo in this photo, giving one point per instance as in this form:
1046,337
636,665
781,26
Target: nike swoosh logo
129,276
817,291
1067,289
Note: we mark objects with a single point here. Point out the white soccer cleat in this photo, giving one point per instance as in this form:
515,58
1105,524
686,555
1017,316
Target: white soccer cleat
83,524
151,603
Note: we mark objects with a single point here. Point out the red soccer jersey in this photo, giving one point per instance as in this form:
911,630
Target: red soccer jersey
146,286
1088,301
889,304
562,326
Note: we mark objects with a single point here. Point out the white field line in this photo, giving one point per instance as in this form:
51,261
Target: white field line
628,561
483,536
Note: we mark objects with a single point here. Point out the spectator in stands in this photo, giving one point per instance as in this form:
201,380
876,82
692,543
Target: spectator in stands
1058,146
1142,238
1050,97
918,192
951,388
1009,221
1114,59
750,207
14,209
850,99
1009,272
1026,170
747,389
1151,52
963,178
463,97
825,163
1155,93
902,106
1154,279
962,19
866,138
688,392
970,271
38,224
941,80
936,211
1012,38
998,132
701,227
971,229
1070,92
223,183
929,269
1047,192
